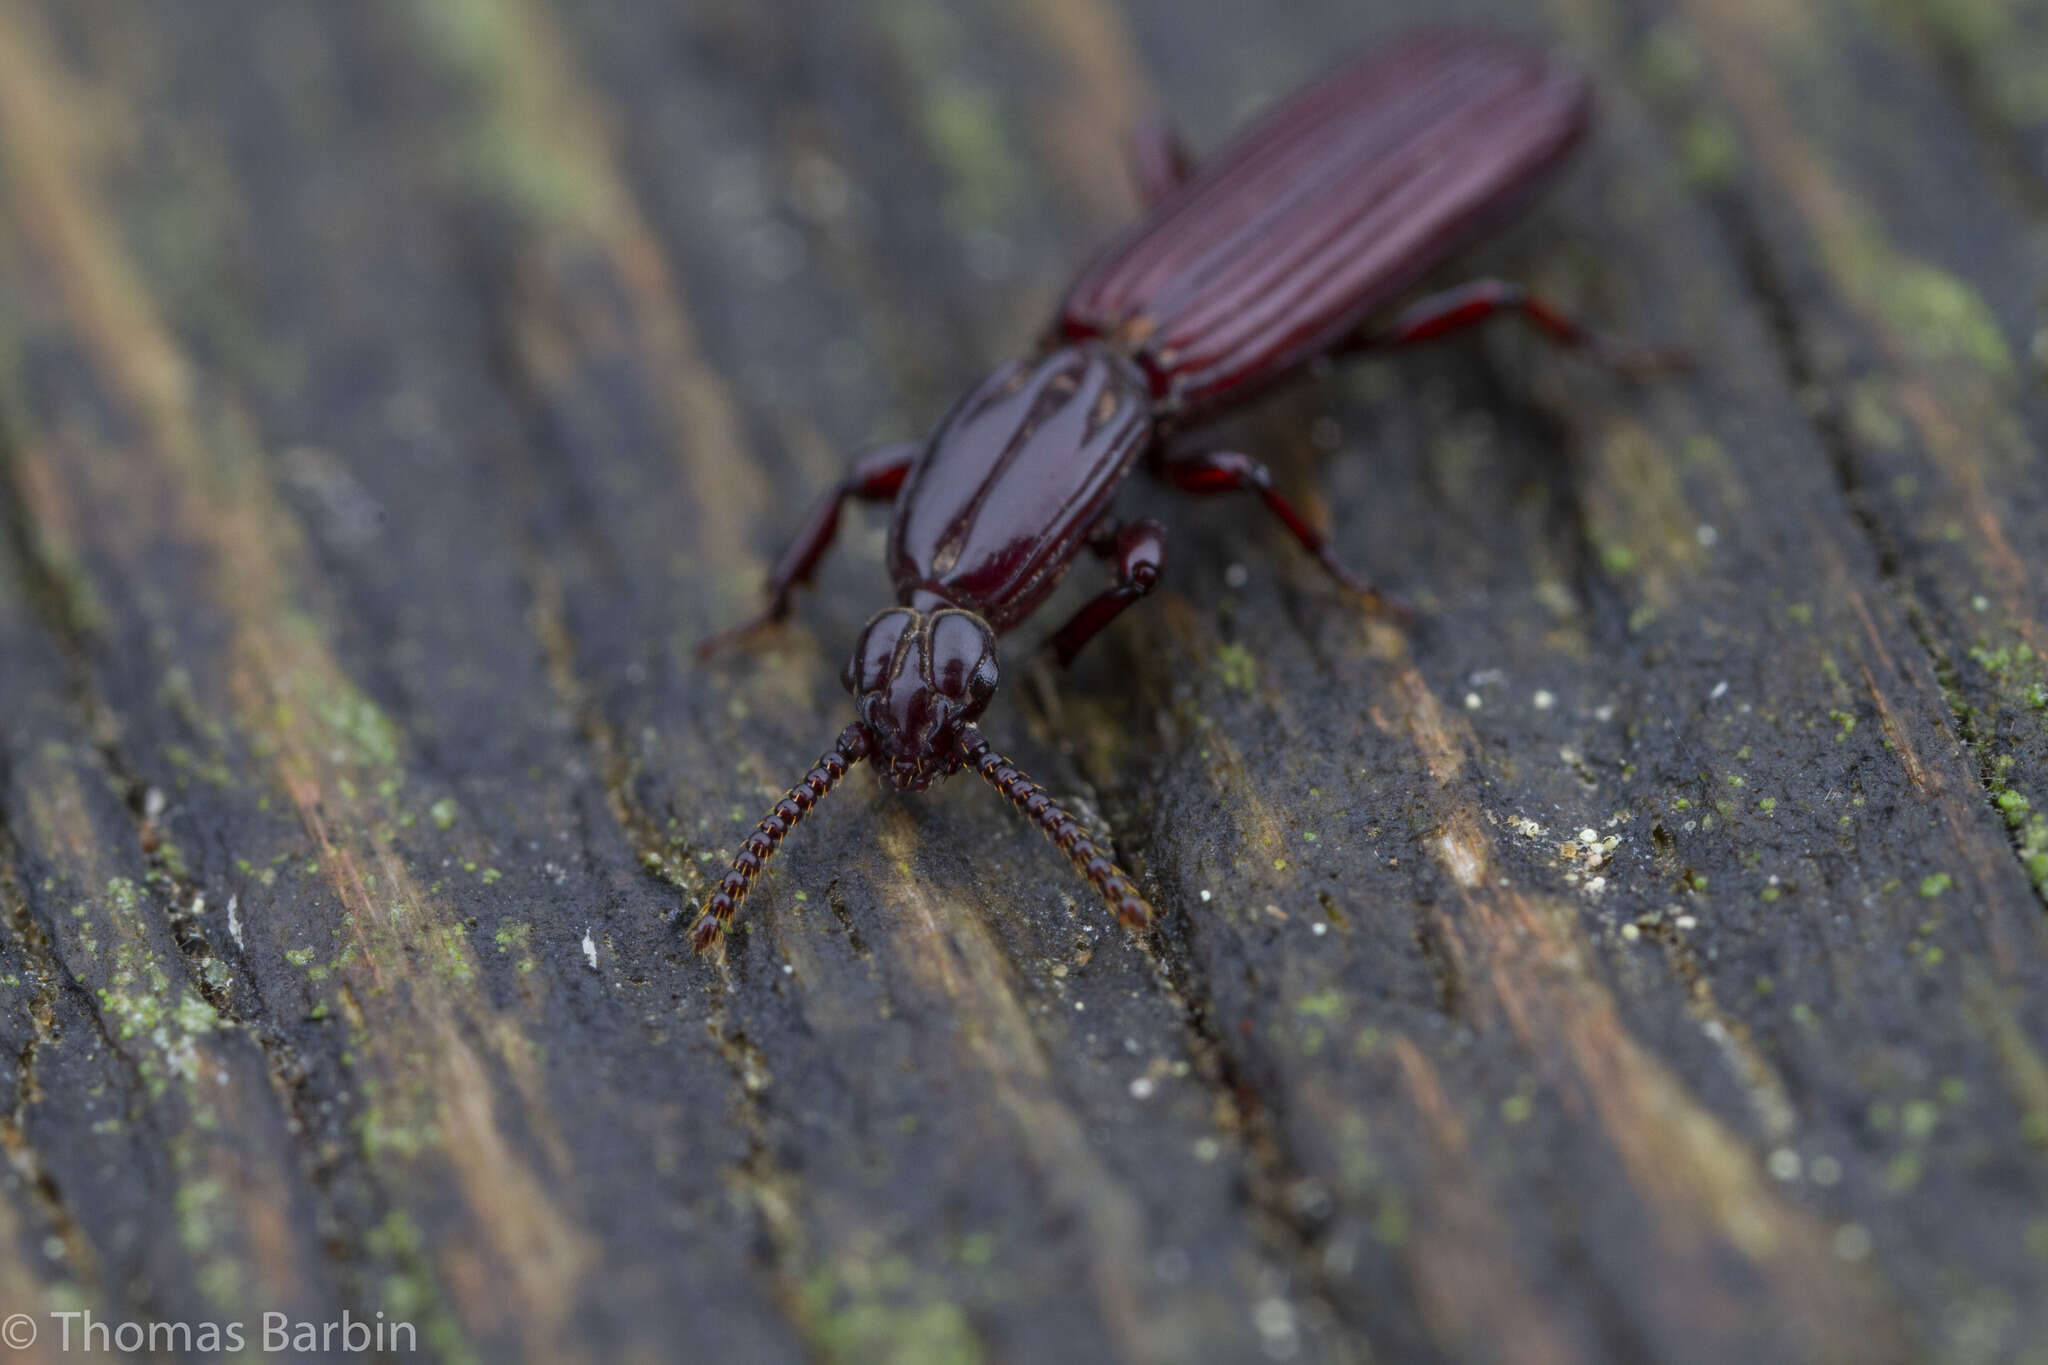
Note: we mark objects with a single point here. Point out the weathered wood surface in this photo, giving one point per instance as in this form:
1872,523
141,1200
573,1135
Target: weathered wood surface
392,391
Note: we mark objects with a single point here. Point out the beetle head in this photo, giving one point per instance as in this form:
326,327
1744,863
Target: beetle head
916,678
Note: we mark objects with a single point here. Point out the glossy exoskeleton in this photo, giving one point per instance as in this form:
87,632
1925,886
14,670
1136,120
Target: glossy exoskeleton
1290,244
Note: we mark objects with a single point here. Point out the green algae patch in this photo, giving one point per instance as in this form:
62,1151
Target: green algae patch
2029,827
962,124
1934,313
1709,152
513,143
1943,318
1322,1005
412,1293
1236,667
857,1312
2002,45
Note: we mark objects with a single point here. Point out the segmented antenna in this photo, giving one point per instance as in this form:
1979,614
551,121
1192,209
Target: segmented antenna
1101,870
850,748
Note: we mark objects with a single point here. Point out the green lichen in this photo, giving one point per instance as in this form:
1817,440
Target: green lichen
1944,318
200,1211
2011,665
1234,664
1668,62
124,897
511,139
2000,43
1322,1005
454,961
353,726
2037,1239
384,1134
413,1293
1709,151
861,1310
1390,1224
1917,1119
1875,419
961,122
2029,828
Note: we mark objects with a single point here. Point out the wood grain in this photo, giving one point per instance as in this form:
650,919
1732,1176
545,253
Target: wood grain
1641,958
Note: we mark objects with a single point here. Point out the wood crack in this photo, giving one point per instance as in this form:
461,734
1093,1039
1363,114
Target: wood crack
1272,1173
39,960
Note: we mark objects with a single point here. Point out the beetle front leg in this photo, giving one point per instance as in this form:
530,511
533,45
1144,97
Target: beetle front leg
1159,160
875,477
1477,301
1139,549
1226,471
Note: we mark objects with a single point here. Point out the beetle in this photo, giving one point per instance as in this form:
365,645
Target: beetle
1289,245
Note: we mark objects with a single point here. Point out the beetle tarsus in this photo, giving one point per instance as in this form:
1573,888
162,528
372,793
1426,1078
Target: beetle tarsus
875,477
1634,362
1227,471
719,641
1478,301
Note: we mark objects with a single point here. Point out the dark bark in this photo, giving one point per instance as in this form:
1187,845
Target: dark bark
390,393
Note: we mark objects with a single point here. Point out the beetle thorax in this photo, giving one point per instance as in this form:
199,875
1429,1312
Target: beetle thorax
916,678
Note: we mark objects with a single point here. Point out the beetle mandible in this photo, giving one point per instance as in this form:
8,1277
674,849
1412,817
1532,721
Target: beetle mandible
1287,246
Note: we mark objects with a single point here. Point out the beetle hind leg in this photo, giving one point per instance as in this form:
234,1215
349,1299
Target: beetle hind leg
1227,471
1478,301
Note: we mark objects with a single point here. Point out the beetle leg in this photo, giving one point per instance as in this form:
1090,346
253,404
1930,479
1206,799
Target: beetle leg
875,477
1138,549
1476,301
1226,471
1159,160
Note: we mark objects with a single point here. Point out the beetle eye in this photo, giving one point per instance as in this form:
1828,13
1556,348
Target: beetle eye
963,657
873,660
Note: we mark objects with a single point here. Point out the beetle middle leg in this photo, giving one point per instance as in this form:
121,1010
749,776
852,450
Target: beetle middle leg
1138,549
875,477
1478,301
1227,471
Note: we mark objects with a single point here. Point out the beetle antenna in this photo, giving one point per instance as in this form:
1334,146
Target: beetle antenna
1101,870
850,748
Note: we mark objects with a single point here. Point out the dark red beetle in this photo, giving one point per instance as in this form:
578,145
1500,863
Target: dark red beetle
1287,246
